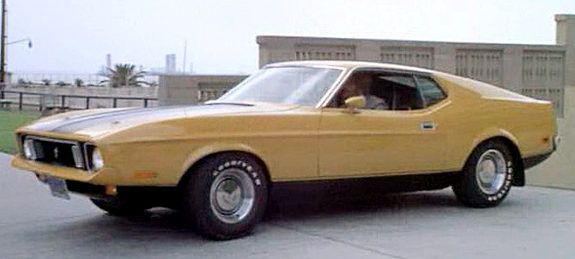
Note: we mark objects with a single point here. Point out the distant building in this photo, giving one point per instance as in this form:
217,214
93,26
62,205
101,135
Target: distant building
108,60
194,89
170,64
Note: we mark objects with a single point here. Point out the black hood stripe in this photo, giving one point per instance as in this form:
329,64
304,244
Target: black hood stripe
133,116
80,122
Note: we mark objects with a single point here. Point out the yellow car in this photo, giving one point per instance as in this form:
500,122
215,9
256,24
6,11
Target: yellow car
293,122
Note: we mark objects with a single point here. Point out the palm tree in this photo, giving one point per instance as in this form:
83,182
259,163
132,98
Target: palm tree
123,75
78,82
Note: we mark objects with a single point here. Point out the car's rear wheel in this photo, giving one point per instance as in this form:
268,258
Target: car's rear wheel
119,206
487,176
225,197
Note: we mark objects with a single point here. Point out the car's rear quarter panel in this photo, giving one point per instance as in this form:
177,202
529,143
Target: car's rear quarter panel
473,118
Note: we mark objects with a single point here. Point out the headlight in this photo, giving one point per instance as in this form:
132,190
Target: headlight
28,148
97,160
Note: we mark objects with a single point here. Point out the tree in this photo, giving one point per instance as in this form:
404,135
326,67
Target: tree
124,75
46,81
78,82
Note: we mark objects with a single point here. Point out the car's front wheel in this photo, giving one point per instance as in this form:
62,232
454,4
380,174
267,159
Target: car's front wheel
225,197
486,178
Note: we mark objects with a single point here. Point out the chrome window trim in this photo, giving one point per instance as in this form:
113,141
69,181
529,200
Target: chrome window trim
331,94
334,88
418,87
304,65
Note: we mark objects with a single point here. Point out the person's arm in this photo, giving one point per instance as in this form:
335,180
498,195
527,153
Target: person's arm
376,103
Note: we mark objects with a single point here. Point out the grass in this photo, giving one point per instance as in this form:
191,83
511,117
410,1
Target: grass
9,121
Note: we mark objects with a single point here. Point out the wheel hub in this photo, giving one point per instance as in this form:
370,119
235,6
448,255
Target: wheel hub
232,195
228,195
491,171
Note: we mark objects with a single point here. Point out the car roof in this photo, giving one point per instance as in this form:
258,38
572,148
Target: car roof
351,65
481,88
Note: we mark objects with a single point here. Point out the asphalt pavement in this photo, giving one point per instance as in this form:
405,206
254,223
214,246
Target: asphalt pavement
531,223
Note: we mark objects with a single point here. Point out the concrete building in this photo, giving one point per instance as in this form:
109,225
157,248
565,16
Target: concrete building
193,89
170,64
109,60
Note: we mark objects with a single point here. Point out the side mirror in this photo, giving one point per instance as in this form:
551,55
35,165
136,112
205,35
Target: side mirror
354,103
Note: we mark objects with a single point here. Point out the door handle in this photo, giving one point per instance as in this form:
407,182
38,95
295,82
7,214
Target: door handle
428,125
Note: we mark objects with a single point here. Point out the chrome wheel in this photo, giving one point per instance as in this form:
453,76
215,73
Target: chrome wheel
491,171
232,195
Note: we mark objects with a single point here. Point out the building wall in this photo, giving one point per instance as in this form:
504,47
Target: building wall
193,89
558,170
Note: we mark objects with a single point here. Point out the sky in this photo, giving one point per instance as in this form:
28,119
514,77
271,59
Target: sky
74,36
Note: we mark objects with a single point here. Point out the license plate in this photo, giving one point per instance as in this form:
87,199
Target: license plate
58,187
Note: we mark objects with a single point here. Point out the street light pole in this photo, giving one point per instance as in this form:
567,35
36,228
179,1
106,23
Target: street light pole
3,47
28,40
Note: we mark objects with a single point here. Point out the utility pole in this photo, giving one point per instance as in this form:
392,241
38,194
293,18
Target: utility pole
3,47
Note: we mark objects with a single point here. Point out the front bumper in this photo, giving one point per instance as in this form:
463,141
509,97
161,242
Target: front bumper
67,173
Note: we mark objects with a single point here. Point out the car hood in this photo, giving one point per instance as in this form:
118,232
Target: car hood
99,122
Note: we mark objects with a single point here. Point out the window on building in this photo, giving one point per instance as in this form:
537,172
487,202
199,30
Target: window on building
480,64
410,56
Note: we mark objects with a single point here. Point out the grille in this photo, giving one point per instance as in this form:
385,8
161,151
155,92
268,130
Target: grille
56,152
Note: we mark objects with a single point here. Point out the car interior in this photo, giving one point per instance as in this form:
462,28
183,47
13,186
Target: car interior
399,91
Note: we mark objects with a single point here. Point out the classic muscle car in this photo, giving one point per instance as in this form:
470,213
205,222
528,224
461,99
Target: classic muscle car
293,122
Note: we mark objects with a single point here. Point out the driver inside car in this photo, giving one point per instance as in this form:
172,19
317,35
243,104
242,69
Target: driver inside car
359,84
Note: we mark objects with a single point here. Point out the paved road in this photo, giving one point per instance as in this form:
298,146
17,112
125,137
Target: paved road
531,223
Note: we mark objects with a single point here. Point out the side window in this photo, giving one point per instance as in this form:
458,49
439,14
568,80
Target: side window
395,91
400,90
361,83
430,91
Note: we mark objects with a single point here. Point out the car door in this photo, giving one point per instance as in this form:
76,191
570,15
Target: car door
381,142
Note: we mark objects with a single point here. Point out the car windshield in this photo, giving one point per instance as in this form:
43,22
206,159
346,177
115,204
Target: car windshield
285,85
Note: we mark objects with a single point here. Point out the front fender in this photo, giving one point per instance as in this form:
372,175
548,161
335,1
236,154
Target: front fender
215,148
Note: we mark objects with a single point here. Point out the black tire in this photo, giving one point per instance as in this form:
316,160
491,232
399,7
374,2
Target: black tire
469,188
204,187
119,206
